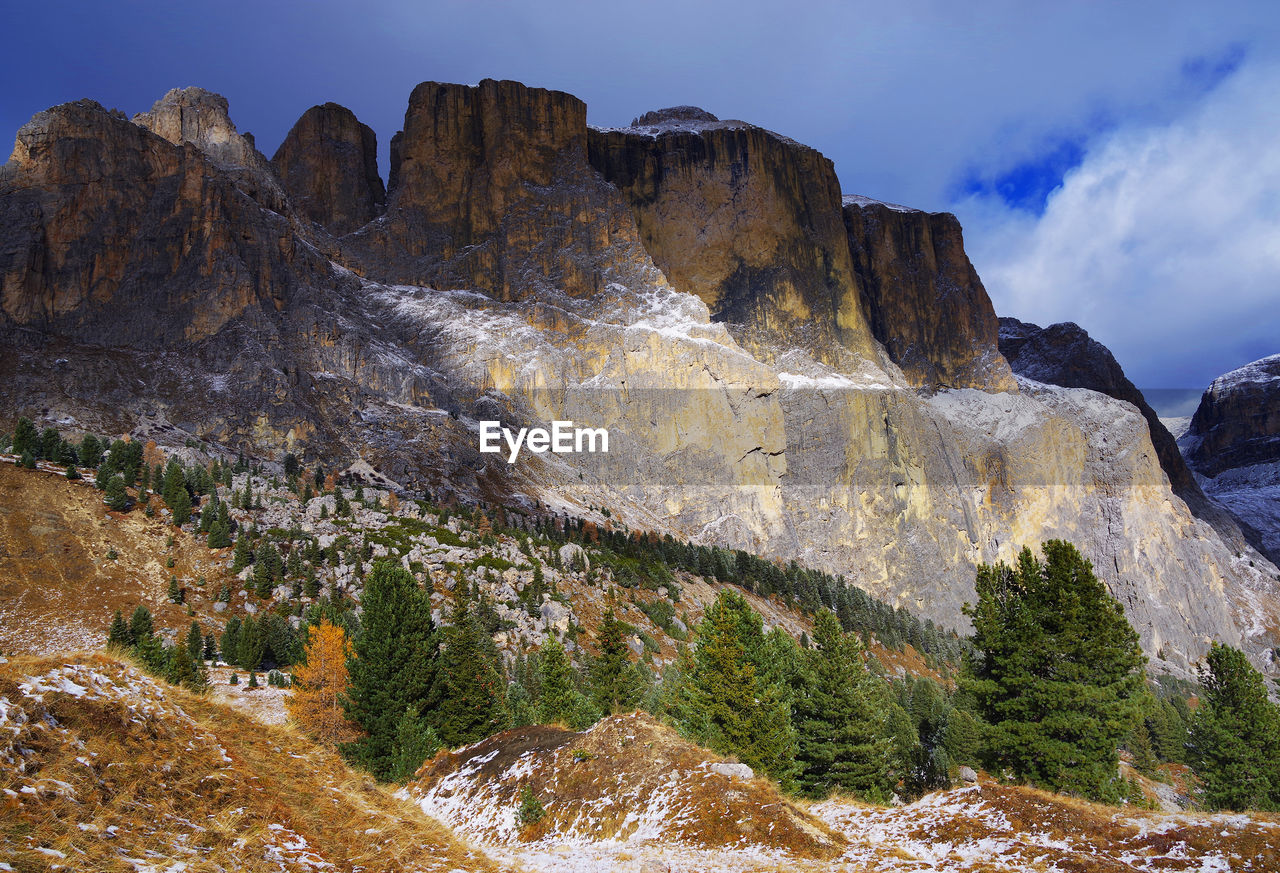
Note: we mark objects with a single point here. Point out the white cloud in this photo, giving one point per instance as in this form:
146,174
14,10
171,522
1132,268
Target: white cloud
1164,243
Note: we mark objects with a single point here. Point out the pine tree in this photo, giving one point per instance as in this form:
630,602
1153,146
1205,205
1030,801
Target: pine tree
322,679
723,704
26,439
230,642
140,626
180,506
90,451
415,743
118,637
561,702
615,684
393,664
252,644
468,696
116,497
175,592
243,556
219,535
195,641
843,740
1058,672
1235,737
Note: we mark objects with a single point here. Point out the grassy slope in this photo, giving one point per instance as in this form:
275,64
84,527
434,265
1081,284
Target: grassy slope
58,591
102,768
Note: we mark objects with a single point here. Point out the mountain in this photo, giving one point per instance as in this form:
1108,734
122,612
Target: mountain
783,369
1233,444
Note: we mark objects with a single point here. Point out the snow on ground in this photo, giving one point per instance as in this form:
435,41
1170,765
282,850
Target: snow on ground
264,703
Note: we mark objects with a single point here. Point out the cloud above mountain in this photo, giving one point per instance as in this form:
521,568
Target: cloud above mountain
1163,241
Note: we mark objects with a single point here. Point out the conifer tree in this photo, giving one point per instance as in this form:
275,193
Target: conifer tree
26,439
724,706
140,626
180,506
118,636
243,556
843,740
195,641
1235,737
560,701
415,743
251,645
468,696
90,451
230,642
116,497
393,664
322,679
219,535
1057,672
615,684
175,592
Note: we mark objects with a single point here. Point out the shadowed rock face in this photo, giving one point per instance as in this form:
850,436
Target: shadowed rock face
1234,443
747,220
1064,354
328,164
491,191
927,305
115,236
1237,423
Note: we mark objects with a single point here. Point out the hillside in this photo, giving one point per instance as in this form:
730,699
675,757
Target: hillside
106,769
59,588
784,370
630,794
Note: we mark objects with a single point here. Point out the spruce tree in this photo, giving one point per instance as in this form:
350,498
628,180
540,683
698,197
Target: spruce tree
180,505
615,684
724,706
1057,671
415,742
251,645
468,696
219,535
1235,737
843,740
140,625
393,664
90,451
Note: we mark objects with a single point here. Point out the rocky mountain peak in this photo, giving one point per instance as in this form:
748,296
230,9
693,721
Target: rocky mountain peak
328,164
659,117
203,118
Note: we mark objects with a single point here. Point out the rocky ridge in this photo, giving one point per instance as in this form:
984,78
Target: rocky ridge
1233,445
509,279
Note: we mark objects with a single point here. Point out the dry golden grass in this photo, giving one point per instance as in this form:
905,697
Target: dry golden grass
628,775
58,590
131,772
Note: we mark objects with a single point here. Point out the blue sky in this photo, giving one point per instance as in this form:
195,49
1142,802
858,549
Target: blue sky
1111,162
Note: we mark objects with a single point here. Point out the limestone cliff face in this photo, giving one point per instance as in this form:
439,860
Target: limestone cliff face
202,118
926,303
1233,442
491,191
115,236
146,289
746,220
328,164
1064,354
